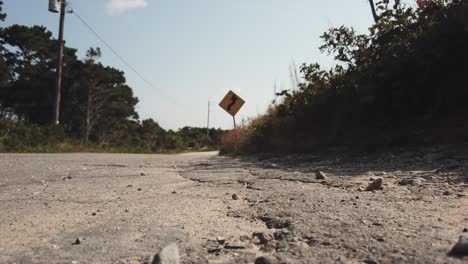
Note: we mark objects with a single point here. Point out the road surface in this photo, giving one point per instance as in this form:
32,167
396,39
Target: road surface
121,208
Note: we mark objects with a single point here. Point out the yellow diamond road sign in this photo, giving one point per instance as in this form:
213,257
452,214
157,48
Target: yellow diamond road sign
232,103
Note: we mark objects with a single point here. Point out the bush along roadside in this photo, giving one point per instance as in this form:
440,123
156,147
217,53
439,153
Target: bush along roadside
21,137
402,83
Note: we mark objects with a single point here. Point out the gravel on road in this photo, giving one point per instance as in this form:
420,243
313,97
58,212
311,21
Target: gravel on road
122,208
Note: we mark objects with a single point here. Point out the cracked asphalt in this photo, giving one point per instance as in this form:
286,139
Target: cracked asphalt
121,208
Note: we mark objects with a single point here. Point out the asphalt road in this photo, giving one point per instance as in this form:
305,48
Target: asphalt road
125,208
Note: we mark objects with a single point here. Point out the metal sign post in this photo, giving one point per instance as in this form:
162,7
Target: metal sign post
232,103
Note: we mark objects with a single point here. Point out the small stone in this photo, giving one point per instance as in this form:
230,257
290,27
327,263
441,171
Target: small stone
139,189
375,185
77,241
370,261
465,230
66,178
410,181
236,244
129,186
263,237
447,193
221,240
142,174
461,248
235,197
319,175
263,260
93,214
168,255
284,235
407,181
244,238
173,192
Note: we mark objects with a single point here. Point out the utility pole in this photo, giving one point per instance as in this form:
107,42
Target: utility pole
374,13
55,121
208,122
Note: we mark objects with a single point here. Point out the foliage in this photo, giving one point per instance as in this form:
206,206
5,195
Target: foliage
97,105
30,55
2,15
408,69
20,137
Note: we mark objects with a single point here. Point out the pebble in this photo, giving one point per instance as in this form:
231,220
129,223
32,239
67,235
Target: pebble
370,261
375,185
284,235
380,239
142,174
236,244
447,193
263,237
235,197
263,260
461,248
409,181
221,240
319,175
168,255
380,173
77,241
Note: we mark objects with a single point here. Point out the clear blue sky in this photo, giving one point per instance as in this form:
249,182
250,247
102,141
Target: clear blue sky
196,50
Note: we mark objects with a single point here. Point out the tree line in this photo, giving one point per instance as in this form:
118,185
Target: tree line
97,105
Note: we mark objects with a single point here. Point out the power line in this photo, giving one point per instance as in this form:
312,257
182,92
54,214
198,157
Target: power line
87,25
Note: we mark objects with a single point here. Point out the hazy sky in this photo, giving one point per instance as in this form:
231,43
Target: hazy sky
194,51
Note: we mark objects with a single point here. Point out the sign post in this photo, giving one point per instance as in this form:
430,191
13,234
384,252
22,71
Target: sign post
232,103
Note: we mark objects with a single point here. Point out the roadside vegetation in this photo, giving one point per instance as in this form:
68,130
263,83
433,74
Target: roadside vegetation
405,82
146,137
97,106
